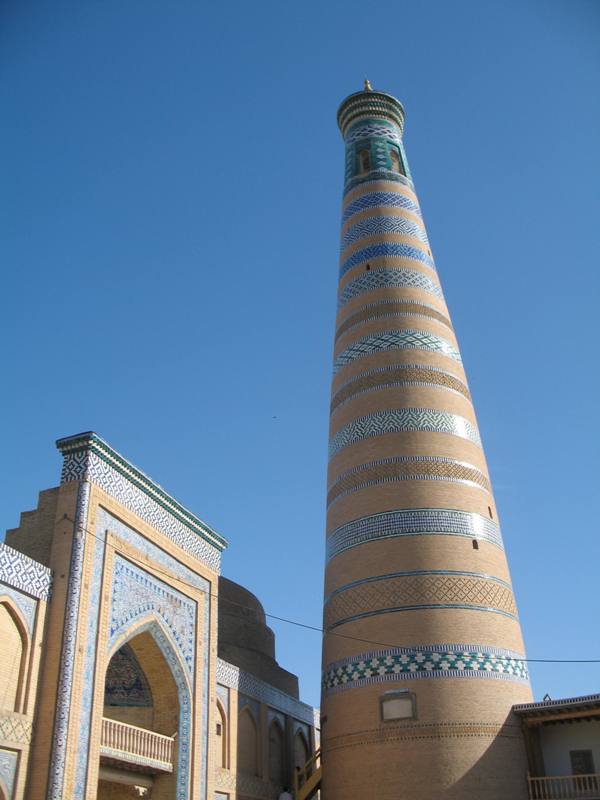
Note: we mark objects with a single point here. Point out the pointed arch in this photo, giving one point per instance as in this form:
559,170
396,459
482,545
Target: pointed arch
301,749
15,637
222,737
247,751
276,753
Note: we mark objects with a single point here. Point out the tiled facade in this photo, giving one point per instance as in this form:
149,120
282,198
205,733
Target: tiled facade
126,609
415,561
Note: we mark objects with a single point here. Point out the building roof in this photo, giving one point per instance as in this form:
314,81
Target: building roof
585,706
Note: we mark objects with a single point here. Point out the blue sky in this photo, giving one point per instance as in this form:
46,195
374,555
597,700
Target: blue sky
170,195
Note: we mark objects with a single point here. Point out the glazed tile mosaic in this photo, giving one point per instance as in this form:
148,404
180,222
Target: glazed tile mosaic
8,768
412,522
401,420
378,176
24,573
388,279
406,468
15,727
126,685
398,375
88,457
235,678
27,605
382,225
380,200
395,340
419,590
367,129
430,661
386,250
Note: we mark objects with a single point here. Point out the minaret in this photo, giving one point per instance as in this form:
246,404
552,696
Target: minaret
423,654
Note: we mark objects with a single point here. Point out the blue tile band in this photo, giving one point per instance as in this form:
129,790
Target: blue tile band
380,200
412,522
399,278
395,340
429,661
373,226
386,250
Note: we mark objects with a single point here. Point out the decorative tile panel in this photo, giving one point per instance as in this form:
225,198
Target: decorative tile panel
390,308
412,522
126,685
399,421
386,250
23,573
427,661
380,200
15,727
88,457
368,129
27,605
8,770
406,468
388,279
418,590
398,375
235,678
395,340
376,176
371,226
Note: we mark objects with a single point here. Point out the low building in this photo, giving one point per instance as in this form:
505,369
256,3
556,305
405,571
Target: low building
129,667
562,739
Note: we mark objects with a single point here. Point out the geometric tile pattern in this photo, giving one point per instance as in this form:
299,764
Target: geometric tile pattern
15,728
24,573
27,605
371,128
413,522
376,176
378,225
395,340
88,457
417,590
406,468
126,684
245,683
389,308
398,375
386,250
429,661
8,770
401,420
137,594
388,279
380,200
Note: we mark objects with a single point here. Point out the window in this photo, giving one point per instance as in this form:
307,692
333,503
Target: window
396,161
475,544
364,161
398,704
582,762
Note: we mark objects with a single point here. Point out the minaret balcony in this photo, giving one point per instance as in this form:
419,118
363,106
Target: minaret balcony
138,748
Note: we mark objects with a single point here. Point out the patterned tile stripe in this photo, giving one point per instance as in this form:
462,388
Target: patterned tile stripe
377,176
398,375
380,200
418,590
23,573
389,308
372,127
406,468
429,661
388,279
401,420
386,250
373,226
412,522
395,340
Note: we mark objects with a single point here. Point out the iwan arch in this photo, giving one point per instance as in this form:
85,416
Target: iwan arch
111,684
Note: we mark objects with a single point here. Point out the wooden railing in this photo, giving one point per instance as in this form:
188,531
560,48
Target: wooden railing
308,780
136,744
565,787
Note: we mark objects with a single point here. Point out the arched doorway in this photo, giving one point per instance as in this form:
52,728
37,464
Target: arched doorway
276,753
14,648
141,723
247,751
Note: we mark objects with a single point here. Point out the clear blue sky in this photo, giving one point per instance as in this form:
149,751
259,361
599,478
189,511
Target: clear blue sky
170,195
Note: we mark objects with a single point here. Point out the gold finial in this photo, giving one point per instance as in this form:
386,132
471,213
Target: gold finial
368,87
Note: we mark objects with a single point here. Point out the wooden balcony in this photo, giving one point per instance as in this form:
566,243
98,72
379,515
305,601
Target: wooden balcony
565,787
128,744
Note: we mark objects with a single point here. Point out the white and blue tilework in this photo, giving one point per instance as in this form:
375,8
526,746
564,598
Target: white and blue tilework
395,340
373,226
26,605
373,128
386,250
380,200
8,770
427,661
24,573
388,279
401,420
412,522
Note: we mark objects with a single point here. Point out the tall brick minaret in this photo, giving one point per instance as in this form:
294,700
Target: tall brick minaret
422,656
